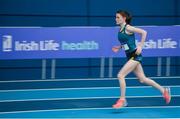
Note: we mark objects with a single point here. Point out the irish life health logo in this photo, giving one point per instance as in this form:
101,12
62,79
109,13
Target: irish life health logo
7,43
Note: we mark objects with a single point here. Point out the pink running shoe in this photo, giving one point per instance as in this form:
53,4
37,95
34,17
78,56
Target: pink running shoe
120,103
167,95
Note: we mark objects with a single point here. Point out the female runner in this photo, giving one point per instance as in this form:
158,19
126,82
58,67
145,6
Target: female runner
134,58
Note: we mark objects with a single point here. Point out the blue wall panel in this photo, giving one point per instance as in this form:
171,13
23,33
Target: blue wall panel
154,21
94,72
44,7
20,63
20,74
136,7
72,73
42,21
86,12
71,62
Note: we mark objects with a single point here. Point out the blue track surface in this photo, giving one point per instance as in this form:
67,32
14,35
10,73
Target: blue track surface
91,100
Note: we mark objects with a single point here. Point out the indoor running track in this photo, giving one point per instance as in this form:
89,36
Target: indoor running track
86,98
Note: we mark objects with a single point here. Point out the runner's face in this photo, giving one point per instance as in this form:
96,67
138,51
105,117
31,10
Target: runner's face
119,19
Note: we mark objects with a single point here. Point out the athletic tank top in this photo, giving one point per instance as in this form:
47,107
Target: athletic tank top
127,40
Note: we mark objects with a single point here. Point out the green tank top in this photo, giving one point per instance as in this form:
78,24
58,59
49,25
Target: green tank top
127,40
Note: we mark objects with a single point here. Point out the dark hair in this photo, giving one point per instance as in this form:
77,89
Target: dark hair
125,14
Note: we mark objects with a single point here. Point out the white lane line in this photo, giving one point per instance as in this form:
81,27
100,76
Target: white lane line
107,108
82,98
88,79
89,88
